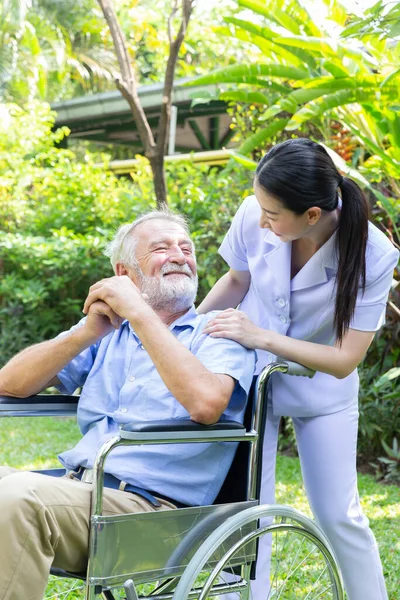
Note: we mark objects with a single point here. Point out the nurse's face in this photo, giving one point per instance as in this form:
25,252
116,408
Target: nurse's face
284,223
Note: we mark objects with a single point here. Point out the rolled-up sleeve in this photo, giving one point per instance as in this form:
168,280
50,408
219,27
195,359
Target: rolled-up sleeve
224,356
233,248
74,374
370,309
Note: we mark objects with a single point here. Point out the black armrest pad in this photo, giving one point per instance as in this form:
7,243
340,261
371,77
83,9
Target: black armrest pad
180,425
40,399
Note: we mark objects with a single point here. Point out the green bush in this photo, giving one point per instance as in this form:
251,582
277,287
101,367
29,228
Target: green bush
43,283
56,214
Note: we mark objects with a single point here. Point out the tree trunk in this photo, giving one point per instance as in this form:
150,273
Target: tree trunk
126,83
159,180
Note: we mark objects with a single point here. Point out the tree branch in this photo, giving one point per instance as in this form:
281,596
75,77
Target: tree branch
175,45
174,10
127,83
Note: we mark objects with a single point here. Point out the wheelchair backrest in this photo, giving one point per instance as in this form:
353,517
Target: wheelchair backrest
235,486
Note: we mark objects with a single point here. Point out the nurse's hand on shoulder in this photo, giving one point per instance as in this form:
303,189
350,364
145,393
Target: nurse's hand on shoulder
235,325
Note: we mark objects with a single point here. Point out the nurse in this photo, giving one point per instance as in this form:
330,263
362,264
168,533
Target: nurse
312,276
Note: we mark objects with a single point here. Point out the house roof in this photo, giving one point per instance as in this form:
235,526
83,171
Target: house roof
106,117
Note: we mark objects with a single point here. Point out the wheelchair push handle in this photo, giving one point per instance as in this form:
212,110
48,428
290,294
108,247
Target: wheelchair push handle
297,369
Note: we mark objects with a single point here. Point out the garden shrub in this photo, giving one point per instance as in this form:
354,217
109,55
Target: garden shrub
56,214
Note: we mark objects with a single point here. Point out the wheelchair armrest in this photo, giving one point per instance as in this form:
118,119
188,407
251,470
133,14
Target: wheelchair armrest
41,405
181,429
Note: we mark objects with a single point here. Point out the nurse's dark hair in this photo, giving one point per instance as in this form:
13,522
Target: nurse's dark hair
301,174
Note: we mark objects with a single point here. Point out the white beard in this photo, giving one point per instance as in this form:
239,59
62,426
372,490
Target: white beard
172,292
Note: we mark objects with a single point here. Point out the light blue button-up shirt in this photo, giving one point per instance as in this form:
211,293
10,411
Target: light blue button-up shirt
121,385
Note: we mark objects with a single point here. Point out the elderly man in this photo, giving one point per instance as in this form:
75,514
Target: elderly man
139,354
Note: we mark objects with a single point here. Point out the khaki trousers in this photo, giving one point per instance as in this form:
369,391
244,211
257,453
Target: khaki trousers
44,521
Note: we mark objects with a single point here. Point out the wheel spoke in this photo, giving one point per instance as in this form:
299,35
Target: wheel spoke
308,597
292,572
63,594
275,580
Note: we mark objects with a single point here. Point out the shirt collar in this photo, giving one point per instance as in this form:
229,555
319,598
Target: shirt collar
186,320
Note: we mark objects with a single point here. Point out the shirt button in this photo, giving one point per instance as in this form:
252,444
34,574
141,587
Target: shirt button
142,347
124,410
281,302
132,378
282,318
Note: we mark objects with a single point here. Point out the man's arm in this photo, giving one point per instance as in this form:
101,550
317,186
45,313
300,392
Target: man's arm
36,367
204,394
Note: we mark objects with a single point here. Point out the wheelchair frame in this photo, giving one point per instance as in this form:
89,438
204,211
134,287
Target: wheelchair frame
192,536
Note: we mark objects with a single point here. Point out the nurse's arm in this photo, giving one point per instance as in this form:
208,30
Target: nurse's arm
228,292
338,360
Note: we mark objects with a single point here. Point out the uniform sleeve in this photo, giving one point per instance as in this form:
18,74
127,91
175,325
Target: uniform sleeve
233,248
74,374
370,309
223,356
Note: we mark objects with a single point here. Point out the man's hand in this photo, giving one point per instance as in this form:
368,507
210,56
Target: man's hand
101,320
120,294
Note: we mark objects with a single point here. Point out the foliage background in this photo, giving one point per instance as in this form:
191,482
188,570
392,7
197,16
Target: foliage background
56,214
284,72
336,80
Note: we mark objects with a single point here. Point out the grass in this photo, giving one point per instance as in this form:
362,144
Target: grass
33,443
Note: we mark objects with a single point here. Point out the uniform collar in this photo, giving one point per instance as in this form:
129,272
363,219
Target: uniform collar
316,271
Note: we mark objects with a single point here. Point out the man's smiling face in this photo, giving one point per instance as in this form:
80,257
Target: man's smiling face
166,265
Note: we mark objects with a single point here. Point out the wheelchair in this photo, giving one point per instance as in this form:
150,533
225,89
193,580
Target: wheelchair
199,552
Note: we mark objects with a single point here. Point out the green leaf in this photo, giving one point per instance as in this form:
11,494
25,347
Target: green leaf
341,164
335,68
292,102
256,6
300,53
245,73
285,20
335,84
395,30
273,13
375,9
262,38
390,77
243,160
394,127
319,107
374,147
245,96
354,29
324,46
255,140
202,97
363,182
258,30
387,377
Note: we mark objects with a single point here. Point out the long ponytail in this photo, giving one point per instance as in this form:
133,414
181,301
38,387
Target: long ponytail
351,241
301,174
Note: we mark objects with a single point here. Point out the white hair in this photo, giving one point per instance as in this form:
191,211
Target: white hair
122,247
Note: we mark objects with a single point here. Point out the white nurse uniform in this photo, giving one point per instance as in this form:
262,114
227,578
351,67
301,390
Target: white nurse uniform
324,409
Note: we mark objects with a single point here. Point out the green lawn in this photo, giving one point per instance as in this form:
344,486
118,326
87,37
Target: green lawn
34,443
